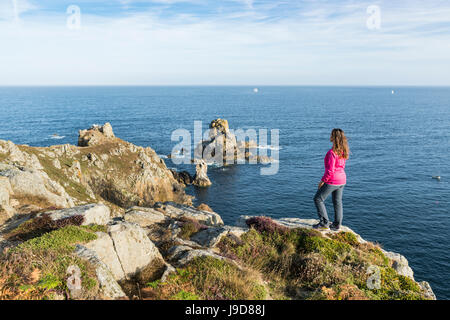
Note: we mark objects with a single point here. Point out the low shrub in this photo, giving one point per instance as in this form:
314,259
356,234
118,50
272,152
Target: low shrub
63,238
189,227
208,278
37,226
37,268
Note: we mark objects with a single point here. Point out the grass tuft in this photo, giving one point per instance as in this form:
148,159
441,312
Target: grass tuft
208,278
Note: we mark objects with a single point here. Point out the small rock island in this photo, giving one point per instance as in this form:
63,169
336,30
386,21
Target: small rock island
108,220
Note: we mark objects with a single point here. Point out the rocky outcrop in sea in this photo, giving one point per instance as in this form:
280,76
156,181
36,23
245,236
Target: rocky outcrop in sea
223,146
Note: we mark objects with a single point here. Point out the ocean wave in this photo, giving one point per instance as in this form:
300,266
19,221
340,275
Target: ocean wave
178,156
269,147
57,137
215,164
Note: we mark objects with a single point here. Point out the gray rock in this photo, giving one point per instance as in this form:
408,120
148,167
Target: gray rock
134,249
107,130
36,183
109,286
56,163
3,243
209,237
187,256
188,243
13,152
15,156
5,193
428,292
169,270
125,249
201,177
175,228
144,217
95,135
241,221
182,177
92,213
177,211
103,246
400,264
182,255
235,232
176,251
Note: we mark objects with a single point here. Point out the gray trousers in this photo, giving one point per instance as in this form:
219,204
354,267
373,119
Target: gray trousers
321,195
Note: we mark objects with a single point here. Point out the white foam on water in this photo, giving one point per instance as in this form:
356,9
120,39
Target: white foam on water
57,137
269,147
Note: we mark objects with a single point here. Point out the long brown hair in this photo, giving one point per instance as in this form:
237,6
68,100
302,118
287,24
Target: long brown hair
340,143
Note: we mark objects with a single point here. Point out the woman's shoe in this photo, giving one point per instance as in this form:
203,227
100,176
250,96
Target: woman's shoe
335,227
320,226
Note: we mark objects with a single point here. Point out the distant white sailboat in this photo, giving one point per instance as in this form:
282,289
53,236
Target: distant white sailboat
256,90
393,92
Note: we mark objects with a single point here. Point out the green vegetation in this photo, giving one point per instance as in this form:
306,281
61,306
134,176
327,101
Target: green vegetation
189,227
49,281
208,278
39,225
37,268
95,228
183,295
63,238
304,264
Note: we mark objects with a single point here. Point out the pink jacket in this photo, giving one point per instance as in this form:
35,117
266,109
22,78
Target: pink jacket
334,169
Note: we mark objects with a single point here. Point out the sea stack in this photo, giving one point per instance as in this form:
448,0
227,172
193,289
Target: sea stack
201,178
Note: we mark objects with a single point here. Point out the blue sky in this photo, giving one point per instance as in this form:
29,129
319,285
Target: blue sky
225,42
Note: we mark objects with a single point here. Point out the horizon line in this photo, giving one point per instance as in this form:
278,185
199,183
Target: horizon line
227,85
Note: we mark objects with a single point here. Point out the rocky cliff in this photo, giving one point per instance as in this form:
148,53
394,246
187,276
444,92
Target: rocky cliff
101,168
107,220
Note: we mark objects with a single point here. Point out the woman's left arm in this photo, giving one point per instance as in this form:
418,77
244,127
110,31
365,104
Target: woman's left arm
329,167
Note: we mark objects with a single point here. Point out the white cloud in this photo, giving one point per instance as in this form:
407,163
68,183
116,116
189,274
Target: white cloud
316,44
247,3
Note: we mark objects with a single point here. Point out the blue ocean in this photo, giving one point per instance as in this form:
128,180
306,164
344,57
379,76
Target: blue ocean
398,141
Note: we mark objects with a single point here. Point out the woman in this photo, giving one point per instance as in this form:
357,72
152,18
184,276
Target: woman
333,181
